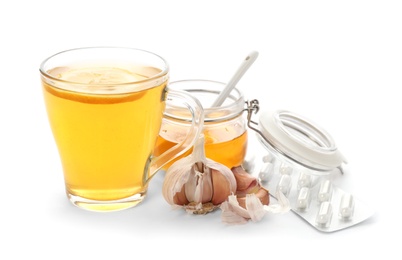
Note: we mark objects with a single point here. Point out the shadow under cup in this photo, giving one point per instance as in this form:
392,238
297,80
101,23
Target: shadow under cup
105,107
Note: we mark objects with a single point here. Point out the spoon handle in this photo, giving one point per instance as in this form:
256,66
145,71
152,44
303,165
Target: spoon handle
236,77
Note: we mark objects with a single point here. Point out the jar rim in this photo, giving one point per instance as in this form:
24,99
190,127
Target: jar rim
300,140
206,90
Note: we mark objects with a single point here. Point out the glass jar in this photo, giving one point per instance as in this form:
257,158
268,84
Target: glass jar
224,129
298,141
301,165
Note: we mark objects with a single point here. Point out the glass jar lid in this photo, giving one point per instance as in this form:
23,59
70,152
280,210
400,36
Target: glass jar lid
300,140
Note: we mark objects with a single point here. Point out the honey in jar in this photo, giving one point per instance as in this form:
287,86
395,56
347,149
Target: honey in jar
224,129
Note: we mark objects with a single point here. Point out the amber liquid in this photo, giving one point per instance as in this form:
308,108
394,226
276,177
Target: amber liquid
104,140
230,153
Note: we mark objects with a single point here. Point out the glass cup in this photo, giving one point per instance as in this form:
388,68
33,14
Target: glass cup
105,107
224,129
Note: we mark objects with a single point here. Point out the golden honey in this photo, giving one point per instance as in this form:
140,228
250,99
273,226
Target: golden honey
224,127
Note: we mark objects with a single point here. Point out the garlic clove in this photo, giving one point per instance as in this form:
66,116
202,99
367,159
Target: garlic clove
180,198
198,188
207,189
222,187
175,178
246,183
226,172
262,194
190,186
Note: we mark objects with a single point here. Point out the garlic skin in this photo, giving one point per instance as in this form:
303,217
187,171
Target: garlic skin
233,213
251,200
198,184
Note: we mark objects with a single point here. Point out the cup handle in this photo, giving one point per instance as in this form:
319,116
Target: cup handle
197,114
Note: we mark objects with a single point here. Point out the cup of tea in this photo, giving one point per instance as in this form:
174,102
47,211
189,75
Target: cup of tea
105,107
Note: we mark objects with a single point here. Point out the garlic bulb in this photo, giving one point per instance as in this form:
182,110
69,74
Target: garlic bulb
201,185
197,183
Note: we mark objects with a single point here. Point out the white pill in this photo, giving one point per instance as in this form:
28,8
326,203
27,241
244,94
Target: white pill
303,199
266,172
284,184
304,180
346,207
268,158
285,169
324,214
325,191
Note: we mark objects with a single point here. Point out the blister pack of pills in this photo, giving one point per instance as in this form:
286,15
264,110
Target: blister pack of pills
313,197
307,175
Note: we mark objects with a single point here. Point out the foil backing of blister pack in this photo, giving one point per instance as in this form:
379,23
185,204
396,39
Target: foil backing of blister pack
313,195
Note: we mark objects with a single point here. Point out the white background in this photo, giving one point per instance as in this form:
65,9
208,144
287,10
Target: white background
337,62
